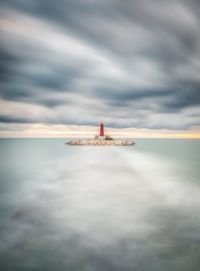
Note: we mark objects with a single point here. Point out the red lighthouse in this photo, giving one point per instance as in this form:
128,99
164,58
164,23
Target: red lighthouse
101,132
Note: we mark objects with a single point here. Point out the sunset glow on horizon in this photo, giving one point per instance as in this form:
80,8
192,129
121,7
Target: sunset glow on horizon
64,131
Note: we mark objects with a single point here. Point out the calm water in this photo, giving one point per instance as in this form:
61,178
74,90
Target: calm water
99,208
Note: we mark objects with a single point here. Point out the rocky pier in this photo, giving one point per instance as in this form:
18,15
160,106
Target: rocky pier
97,142
101,140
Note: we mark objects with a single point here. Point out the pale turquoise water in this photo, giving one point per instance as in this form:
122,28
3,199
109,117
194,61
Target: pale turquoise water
99,208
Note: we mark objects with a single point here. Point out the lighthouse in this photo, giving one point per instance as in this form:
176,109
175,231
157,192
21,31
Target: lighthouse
101,131
101,140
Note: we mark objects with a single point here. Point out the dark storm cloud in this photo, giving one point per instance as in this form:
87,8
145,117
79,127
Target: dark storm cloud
25,78
185,98
132,95
6,60
98,58
15,120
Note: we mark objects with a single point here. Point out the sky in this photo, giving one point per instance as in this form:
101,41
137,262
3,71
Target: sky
67,65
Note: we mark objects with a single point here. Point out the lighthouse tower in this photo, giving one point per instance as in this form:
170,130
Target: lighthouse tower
101,131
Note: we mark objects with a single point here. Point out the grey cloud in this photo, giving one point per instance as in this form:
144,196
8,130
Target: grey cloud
9,119
144,40
184,98
131,95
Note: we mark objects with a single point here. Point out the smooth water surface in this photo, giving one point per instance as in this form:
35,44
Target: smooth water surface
99,208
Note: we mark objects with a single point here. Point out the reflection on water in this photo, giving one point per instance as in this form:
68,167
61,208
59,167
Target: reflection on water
92,208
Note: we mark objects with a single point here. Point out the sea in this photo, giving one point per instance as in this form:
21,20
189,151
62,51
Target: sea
102,208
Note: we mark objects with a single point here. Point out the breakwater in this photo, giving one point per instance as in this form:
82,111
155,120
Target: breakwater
97,142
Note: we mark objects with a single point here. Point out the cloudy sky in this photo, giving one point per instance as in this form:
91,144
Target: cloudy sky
66,65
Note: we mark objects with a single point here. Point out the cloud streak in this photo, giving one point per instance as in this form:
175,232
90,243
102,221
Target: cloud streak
132,64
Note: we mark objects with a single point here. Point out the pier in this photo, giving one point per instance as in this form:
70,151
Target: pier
101,140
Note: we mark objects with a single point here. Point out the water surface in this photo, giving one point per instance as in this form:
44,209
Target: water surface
99,208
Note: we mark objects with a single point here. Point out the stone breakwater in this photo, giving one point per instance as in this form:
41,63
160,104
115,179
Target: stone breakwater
97,142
